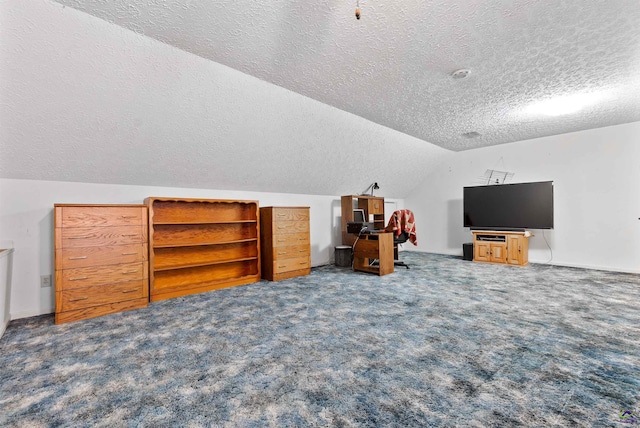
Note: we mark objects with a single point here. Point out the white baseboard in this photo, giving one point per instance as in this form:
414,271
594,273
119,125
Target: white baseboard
29,314
552,263
577,265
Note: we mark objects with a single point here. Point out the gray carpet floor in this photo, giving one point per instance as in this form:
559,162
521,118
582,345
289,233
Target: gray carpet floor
445,343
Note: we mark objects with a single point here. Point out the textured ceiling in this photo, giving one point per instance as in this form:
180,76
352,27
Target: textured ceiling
394,65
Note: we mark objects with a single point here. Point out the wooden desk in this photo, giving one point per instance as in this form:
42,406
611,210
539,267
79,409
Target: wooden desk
371,247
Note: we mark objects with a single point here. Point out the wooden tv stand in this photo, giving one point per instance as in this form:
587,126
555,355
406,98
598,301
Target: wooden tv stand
511,248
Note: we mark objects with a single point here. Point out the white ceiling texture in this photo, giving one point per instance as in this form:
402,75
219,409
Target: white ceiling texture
396,65
189,93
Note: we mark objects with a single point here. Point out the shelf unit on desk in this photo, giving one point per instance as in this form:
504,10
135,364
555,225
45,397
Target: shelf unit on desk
372,206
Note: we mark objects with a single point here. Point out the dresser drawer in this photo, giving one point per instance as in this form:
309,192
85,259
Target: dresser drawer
290,226
100,295
285,214
70,279
69,216
94,236
69,258
291,252
287,265
291,239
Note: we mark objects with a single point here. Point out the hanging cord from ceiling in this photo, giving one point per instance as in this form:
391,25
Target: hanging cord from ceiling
357,9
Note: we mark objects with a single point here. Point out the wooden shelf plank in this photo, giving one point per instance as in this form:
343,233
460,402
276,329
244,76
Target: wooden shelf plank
192,265
208,244
174,223
204,286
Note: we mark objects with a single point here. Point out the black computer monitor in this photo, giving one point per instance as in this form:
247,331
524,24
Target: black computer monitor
358,216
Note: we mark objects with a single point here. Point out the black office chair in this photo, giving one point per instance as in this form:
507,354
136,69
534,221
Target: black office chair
400,239
404,221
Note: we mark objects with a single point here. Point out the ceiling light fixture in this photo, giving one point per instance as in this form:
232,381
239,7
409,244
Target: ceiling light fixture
563,104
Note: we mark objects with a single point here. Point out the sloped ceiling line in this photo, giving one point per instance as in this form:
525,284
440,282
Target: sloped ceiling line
394,65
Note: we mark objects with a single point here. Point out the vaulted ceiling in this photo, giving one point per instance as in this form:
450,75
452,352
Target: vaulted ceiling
300,97
396,65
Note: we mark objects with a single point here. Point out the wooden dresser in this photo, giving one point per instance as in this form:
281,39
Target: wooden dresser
101,260
200,245
285,242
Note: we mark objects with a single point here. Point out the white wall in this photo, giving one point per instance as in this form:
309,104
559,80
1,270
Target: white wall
88,101
596,177
597,205
26,218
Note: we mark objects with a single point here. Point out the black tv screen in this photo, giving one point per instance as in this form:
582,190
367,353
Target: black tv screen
509,206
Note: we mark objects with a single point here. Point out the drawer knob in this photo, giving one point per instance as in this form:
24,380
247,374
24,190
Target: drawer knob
131,234
280,253
127,272
129,216
130,291
77,258
78,216
78,237
78,299
129,254
80,278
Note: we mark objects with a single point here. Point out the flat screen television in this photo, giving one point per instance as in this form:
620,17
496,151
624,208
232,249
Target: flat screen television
509,206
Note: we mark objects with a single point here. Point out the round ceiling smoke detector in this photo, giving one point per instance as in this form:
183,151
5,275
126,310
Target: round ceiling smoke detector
461,74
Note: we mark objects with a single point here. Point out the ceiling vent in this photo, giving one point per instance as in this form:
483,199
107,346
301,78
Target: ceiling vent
463,73
472,134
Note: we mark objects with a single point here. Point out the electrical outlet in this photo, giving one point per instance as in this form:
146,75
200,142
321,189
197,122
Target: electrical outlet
45,281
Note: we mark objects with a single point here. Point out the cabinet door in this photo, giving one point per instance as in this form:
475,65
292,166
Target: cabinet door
482,251
376,206
498,252
517,249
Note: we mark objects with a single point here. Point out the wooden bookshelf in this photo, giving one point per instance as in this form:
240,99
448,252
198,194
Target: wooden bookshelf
199,245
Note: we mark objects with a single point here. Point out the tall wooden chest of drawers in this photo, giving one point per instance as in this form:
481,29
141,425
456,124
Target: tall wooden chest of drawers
285,242
101,260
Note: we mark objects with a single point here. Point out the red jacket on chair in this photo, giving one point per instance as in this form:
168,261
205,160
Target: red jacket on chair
403,221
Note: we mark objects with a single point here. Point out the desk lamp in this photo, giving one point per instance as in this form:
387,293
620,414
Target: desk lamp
372,187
